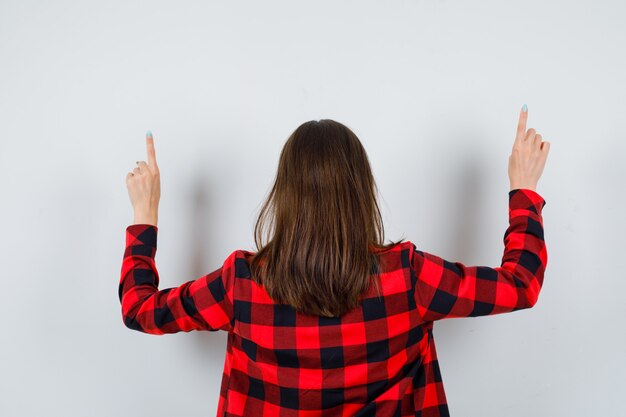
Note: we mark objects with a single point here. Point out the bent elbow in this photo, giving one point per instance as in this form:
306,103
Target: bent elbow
531,296
132,323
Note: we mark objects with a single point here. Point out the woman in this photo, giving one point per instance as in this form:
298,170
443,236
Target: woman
325,319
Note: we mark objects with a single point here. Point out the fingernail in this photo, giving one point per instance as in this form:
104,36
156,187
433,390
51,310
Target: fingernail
524,108
149,134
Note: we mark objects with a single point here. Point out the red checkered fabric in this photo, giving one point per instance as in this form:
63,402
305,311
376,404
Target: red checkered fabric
378,359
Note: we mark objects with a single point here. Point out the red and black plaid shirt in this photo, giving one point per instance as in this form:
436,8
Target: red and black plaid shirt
379,359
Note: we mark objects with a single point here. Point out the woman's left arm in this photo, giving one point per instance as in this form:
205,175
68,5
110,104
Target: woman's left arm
201,304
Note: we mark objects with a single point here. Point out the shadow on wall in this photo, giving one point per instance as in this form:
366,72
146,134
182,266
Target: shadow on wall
201,210
461,229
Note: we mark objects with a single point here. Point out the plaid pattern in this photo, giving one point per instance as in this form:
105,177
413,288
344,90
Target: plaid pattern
377,360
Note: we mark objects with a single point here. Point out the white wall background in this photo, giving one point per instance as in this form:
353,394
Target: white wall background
432,89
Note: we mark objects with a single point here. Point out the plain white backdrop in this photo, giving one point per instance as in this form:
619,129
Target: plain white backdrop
432,89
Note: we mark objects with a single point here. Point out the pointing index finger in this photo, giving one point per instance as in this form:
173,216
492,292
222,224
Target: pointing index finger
150,148
521,124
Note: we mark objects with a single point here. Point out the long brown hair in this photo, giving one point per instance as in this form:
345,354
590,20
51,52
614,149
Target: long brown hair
326,226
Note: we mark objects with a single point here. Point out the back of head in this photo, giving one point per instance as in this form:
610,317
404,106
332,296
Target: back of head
325,229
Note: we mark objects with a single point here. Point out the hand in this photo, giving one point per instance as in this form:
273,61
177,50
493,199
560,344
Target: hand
144,187
528,156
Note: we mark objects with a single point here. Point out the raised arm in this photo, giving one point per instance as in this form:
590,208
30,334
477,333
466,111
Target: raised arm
446,289
201,304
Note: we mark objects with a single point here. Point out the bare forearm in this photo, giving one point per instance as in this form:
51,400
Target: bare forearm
146,217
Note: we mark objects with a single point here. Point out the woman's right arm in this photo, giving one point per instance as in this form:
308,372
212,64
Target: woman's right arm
445,289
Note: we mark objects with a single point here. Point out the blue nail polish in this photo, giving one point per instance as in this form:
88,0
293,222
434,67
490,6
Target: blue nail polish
149,134
524,108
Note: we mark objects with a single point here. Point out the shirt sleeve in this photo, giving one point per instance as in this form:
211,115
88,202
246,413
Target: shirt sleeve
447,289
201,304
